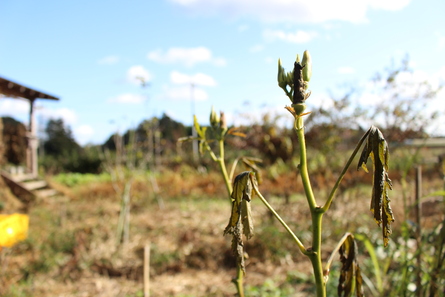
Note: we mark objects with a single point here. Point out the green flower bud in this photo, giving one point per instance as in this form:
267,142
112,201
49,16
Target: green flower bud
281,75
223,123
298,59
307,63
299,108
214,118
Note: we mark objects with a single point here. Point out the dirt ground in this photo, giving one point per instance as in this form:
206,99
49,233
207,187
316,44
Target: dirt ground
72,247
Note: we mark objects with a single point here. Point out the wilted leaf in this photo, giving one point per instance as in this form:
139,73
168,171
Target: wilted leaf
241,221
232,131
251,163
376,148
350,275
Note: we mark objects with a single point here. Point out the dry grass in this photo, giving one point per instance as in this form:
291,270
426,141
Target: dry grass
71,250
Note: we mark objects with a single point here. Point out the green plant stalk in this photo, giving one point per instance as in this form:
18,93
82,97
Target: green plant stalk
238,281
277,216
342,174
313,253
222,166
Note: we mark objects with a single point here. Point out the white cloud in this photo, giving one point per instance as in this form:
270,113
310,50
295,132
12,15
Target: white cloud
11,107
409,85
185,56
185,93
389,5
68,116
294,11
83,134
108,60
128,98
199,79
19,110
296,37
278,114
138,74
346,70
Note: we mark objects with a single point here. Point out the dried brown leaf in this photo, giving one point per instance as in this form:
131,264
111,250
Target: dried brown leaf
350,275
251,163
232,131
376,148
241,221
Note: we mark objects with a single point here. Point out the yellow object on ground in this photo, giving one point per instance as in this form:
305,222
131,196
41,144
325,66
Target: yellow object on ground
13,228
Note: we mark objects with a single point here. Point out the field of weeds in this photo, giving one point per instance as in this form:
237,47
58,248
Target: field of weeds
72,247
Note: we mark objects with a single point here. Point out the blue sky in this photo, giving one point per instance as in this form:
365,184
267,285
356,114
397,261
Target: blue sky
89,53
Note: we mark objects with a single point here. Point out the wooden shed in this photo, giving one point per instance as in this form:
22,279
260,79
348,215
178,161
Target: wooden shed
11,89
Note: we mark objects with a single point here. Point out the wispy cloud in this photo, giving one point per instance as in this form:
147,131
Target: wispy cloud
185,56
108,60
293,37
200,79
346,70
128,98
83,134
296,11
68,116
138,74
185,93
10,107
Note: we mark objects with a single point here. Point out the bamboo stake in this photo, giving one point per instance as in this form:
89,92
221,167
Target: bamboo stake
147,270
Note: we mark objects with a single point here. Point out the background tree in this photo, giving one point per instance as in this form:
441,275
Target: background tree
404,98
62,153
60,140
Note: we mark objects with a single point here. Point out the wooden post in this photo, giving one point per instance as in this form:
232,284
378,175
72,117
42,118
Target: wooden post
32,142
417,213
147,270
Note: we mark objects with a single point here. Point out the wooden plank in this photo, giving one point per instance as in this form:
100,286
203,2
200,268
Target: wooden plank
22,177
34,185
46,193
17,189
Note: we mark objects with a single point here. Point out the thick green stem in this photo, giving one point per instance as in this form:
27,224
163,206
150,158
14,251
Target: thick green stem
238,281
299,128
222,167
314,253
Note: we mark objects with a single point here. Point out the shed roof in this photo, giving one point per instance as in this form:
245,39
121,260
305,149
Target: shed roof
15,90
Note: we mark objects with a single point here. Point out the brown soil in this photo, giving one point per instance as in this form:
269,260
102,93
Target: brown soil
183,225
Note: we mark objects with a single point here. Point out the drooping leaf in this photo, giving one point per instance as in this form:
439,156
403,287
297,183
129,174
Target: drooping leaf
241,221
350,275
251,163
243,187
376,148
246,218
232,131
